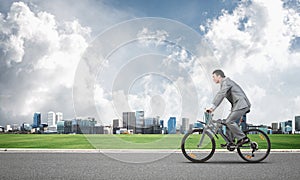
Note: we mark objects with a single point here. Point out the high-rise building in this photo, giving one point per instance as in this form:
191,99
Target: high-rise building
60,127
15,127
297,123
58,116
107,130
178,128
148,122
8,127
289,126
117,125
162,126
26,127
185,125
161,123
99,129
51,118
156,121
83,125
140,121
286,127
172,125
129,121
1,129
191,126
152,126
275,127
36,119
67,126
87,125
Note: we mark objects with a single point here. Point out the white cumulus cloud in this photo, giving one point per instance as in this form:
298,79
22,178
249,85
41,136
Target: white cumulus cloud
39,56
253,45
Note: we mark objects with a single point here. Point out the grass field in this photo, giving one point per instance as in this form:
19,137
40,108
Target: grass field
64,141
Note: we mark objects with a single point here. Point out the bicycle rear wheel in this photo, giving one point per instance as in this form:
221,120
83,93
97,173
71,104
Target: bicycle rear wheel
191,149
257,149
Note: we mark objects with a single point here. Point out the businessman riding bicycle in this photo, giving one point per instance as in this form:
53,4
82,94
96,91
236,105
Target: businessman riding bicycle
240,105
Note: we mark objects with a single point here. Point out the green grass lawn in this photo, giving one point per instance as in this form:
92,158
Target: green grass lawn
137,141
53,141
153,141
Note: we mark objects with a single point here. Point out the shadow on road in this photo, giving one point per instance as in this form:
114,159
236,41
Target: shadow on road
228,162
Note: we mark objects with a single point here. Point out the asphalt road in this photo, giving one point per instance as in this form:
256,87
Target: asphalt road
61,165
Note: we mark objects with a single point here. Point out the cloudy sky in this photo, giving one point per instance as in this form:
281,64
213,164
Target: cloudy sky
100,58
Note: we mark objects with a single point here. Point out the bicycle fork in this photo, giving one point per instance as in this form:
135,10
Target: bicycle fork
202,138
206,129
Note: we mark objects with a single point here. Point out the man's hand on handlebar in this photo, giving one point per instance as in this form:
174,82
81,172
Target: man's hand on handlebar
209,110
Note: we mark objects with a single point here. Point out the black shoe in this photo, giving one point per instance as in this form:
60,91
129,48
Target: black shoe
227,144
243,141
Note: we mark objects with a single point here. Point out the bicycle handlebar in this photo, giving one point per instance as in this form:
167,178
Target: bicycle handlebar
208,111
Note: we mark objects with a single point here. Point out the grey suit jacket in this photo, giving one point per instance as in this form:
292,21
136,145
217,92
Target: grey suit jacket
233,93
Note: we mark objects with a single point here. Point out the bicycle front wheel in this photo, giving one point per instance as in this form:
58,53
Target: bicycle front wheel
195,151
257,149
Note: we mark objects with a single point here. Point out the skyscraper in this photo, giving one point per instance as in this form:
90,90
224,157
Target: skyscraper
58,116
140,121
172,125
60,127
117,125
36,119
51,118
185,125
82,125
286,127
129,120
148,122
297,123
161,123
275,126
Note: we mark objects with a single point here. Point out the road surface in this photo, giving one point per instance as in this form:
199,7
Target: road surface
70,165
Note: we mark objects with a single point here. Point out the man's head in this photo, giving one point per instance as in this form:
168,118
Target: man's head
218,75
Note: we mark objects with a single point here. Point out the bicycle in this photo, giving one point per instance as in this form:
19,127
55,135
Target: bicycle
199,145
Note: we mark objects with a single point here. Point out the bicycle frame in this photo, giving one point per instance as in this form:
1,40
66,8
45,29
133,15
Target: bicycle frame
213,127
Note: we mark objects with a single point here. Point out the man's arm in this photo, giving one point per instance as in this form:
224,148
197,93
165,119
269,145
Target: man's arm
225,87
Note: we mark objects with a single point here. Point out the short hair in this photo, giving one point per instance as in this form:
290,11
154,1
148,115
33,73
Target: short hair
219,72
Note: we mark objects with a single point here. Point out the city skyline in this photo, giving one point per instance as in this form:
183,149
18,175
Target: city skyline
163,68
132,123
128,122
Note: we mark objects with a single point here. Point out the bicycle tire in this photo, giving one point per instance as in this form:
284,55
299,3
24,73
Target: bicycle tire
190,149
259,141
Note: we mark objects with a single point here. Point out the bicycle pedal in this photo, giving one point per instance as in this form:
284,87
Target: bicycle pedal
231,148
223,145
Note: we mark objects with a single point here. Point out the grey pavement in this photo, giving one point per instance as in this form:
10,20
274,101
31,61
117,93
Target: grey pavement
37,164
44,150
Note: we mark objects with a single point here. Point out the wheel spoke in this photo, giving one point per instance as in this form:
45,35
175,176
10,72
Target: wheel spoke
197,151
259,147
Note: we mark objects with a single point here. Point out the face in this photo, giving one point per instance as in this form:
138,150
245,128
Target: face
216,79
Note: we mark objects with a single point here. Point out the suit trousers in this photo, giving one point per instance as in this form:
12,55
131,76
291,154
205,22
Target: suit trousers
234,129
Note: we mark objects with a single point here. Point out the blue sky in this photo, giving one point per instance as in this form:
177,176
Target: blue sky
192,12
42,43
